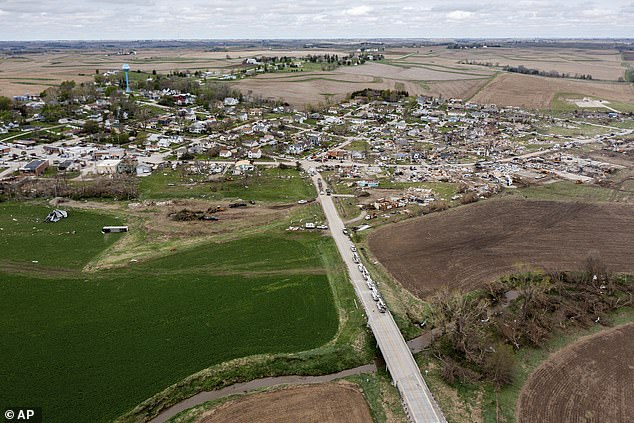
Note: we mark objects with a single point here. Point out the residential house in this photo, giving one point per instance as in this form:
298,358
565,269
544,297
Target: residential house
260,127
107,167
254,153
127,165
314,138
225,153
243,166
143,169
250,143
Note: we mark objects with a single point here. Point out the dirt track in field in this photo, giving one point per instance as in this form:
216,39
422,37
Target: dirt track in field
592,380
471,245
328,403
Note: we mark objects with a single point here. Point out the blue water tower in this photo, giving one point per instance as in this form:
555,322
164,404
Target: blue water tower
126,69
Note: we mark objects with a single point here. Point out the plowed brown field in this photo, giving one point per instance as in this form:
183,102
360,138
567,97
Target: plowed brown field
471,245
329,403
589,381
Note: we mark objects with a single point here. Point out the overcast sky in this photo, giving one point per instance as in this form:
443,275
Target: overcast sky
217,19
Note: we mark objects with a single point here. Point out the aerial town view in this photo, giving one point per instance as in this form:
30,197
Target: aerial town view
335,211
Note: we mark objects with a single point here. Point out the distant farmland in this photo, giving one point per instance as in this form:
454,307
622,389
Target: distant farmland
435,71
471,245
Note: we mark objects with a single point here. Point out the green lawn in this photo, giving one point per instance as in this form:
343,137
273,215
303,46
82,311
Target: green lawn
271,185
87,347
69,243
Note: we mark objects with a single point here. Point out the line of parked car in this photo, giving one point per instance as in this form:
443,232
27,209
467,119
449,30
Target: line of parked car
376,295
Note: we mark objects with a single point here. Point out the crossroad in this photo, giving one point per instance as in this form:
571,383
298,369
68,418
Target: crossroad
418,402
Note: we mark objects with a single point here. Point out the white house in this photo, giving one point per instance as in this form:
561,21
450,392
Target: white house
230,101
250,143
225,153
254,153
243,166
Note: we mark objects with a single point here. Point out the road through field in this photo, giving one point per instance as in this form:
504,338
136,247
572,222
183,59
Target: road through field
418,402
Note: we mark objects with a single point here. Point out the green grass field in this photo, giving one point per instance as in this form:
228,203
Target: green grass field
88,347
271,185
69,243
569,191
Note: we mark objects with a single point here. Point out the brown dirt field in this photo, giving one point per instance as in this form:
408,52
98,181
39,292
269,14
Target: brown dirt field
592,380
317,87
464,89
413,73
601,64
470,245
537,92
33,73
328,403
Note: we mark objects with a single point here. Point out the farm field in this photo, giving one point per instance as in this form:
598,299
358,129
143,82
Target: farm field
330,403
471,245
590,380
114,338
535,92
34,72
601,64
435,71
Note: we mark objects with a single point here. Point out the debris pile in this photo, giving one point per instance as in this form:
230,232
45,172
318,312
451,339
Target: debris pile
56,215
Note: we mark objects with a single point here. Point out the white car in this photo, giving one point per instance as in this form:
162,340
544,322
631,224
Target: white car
353,249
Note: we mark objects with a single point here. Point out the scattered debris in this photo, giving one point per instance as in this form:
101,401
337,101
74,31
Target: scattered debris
186,215
55,216
114,229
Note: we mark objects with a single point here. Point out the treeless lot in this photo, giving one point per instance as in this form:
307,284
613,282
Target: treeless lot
538,92
589,381
471,245
329,403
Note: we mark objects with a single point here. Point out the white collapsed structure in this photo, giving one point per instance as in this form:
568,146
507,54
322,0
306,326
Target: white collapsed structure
56,215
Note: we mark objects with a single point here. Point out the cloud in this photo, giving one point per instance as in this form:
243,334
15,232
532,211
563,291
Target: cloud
458,15
358,11
146,19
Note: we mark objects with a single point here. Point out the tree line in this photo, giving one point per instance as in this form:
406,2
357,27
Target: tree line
528,71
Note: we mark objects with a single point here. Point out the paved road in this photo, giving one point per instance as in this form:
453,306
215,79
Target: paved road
417,399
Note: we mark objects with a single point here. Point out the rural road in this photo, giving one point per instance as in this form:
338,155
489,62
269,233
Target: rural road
417,400
266,382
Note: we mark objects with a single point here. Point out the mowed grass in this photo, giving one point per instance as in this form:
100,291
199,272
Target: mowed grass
87,347
264,184
69,243
570,191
